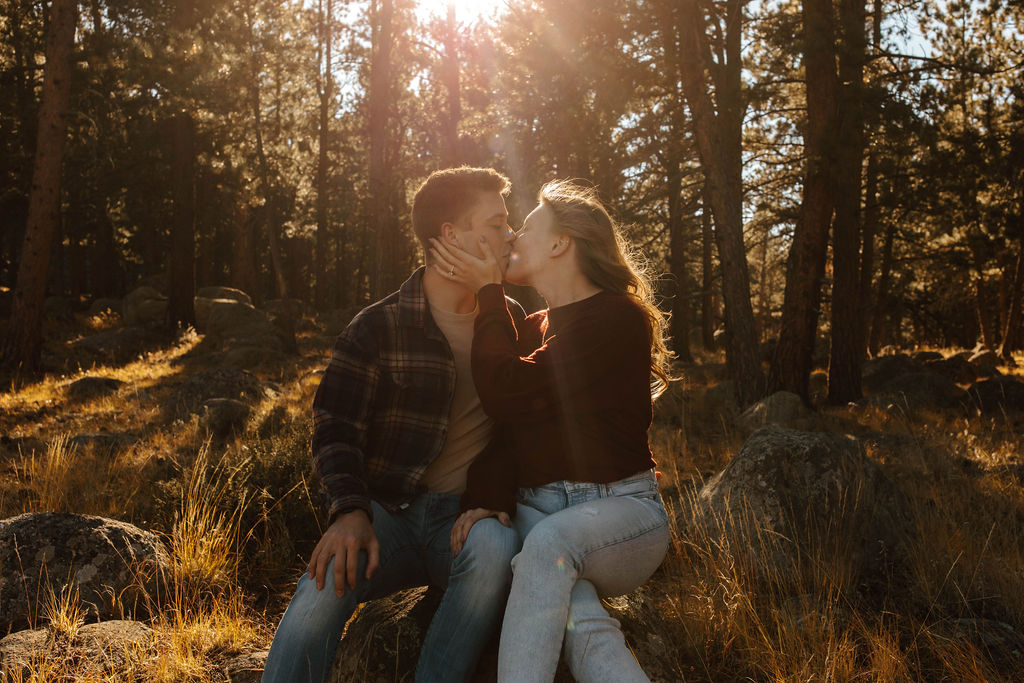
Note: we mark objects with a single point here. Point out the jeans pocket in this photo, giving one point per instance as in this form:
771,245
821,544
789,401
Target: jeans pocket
643,485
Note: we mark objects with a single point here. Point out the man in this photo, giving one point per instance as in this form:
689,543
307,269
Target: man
397,422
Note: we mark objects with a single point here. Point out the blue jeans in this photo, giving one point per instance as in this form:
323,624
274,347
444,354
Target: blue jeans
414,551
582,541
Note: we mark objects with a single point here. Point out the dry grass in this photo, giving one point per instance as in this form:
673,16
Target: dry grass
236,514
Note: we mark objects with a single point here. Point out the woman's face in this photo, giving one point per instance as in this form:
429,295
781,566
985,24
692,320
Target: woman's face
534,242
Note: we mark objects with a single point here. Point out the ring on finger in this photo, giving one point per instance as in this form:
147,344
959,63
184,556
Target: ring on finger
451,272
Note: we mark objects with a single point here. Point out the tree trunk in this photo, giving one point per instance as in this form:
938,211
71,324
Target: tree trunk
707,286
379,96
23,345
326,82
726,194
867,254
878,320
680,320
450,78
983,297
182,281
805,268
270,213
1012,333
243,263
846,353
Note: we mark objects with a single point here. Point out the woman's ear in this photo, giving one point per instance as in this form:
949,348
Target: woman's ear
561,245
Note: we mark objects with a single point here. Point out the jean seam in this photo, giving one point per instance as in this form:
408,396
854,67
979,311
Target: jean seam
617,541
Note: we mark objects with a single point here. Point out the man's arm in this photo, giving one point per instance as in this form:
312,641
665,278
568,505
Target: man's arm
341,419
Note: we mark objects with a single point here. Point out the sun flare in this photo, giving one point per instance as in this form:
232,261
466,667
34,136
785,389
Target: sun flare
465,10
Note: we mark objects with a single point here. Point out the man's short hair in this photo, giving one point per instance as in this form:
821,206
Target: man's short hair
447,195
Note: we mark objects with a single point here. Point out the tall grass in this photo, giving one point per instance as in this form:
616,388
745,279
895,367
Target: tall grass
49,476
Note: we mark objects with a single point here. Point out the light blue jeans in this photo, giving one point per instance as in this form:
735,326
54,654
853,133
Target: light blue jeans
582,541
414,551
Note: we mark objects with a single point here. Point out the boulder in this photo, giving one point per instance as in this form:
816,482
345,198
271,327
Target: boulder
987,371
41,552
997,396
119,345
781,408
144,306
95,650
956,368
234,323
218,383
790,497
881,369
93,387
985,358
224,293
919,391
244,357
101,306
223,417
382,642
926,356
246,668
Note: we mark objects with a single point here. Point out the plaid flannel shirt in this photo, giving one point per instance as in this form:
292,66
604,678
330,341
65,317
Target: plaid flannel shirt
380,415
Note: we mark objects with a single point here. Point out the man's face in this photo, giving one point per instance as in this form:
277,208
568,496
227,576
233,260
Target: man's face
533,244
487,217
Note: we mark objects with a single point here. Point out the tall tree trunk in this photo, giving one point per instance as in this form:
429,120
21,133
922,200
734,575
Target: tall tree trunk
680,320
380,105
846,353
23,345
707,285
984,297
270,213
450,78
879,332
791,364
326,81
872,217
726,194
243,254
1012,333
182,287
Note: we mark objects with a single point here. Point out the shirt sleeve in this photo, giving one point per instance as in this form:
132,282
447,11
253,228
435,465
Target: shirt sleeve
515,384
341,414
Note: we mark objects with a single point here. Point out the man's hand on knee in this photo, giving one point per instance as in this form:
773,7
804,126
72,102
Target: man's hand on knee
347,535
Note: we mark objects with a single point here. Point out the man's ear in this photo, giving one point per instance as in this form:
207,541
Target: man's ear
561,245
450,234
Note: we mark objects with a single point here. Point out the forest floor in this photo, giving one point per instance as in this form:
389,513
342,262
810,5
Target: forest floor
239,515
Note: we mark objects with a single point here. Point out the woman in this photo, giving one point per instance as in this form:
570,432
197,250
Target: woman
573,386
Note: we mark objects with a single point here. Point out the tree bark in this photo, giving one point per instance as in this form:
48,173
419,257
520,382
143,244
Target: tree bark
805,268
450,78
243,263
182,281
726,194
1012,332
326,82
879,332
846,351
707,294
380,105
680,321
23,345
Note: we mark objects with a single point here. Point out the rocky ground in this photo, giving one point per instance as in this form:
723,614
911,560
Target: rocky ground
156,504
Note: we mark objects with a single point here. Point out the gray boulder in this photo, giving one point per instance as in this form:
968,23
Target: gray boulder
223,417
219,383
790,497
917,391
956,368
246,668
985,358
144,306
104,558
997,396
224,293
96,650
781,408
881,369
93,387
118,345
234,323
926,356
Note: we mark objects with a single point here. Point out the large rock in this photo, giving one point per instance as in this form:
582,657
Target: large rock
104,558
234,323
224,293
105,306
956,368
121,344
877,371
917,391
998,396
781,408
984,358
382,643
144,306
790,497
96,650
93,387
220,383
104,442
223,417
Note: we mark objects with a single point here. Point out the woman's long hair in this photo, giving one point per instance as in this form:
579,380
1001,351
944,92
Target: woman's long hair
608,261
